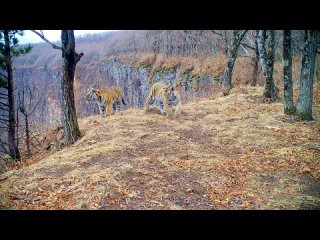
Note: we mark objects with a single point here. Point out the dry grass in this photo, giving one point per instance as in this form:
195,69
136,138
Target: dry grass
206,65
199,66
230,152
210,65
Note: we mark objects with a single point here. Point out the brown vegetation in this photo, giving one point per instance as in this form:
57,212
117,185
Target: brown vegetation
232,152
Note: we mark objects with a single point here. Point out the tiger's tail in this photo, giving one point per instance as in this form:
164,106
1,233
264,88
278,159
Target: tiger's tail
123,101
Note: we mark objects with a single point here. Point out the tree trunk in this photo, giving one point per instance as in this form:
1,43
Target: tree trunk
27,134
232,56
14,151
270,91
317,74
262,50
71,127
256,64
17,127
289,107
304,103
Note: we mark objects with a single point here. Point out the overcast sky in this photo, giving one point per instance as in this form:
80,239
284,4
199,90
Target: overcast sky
52,35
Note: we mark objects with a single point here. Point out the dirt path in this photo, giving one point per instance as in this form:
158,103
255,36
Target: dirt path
228,153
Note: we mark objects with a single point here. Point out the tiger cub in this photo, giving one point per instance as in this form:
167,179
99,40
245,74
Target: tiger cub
107,99
167,96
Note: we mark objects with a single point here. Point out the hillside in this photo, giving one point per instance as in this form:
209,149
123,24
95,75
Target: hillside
191,59
232,152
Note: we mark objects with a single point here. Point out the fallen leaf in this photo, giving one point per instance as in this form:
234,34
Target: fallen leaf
305,170
3,178
91,142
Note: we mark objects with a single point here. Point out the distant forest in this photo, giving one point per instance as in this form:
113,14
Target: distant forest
167,42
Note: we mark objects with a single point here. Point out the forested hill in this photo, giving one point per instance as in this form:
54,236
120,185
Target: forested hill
167,42
192,60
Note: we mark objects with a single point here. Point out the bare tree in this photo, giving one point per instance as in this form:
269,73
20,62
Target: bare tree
232,51
261,38
317,74
255,61
266,44
14,151
71,58
27,109
304,103
289,107
8,49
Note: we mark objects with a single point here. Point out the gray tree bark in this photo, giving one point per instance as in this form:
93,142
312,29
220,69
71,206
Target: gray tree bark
26,121
289,107
317,74
270,91
256,63
71,58
232,56
261,37
14,150
304,103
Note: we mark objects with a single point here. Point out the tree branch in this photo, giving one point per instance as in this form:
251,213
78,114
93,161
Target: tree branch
4,120
4,104
3,98
217,33
35,137
35,107
3,151
248,46
4,109
46,40
78,57
242,44
244,49
6,77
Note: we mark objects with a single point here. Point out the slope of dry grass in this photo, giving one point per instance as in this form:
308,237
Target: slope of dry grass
230,152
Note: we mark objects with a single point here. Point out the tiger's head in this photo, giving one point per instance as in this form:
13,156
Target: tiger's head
169,92
91,93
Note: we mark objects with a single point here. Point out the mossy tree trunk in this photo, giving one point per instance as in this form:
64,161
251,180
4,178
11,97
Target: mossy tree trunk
289,107
304,103
261,41
14,150
232,53
70,59
265,40
317,74
256,63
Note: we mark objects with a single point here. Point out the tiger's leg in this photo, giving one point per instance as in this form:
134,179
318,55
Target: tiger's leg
147,104
167,109
114,107
117,106
178,110
102,109
161,108
109,109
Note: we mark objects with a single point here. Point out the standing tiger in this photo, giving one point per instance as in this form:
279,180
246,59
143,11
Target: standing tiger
109,99
167,96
